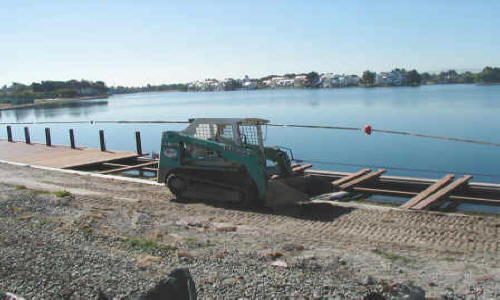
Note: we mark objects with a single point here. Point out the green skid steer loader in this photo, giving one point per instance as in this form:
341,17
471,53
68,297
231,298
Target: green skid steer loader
226,160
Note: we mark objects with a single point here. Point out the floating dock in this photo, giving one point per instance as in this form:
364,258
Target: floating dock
61,157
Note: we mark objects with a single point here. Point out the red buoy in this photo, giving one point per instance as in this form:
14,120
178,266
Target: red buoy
368,129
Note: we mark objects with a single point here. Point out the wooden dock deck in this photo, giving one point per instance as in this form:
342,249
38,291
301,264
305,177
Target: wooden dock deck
63,157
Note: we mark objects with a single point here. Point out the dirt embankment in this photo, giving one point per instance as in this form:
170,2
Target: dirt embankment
123,236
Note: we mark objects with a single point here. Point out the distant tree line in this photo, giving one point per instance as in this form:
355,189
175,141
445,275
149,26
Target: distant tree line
413,77
21,93
181,87
18,93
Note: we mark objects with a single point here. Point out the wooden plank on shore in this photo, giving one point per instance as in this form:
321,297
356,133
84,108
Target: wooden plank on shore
428,191
349,185
440,195
299,169
128,168
350,177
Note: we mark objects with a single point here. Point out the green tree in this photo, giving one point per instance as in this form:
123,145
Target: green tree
490,75
312,79
425,77
469,77
368,78
413,77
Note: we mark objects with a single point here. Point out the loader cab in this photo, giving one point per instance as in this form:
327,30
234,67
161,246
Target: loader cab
245,133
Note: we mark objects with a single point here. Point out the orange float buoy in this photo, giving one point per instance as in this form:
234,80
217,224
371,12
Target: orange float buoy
368,129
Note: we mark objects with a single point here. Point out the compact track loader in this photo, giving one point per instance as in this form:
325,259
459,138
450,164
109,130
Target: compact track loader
226,160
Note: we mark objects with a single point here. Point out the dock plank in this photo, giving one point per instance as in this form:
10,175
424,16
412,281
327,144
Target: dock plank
442,193
62,157
350,177
428,191
349,185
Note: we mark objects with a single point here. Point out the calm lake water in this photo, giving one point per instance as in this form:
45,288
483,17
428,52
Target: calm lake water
466,111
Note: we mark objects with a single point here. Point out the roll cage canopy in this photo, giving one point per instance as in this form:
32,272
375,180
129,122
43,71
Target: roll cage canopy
240,131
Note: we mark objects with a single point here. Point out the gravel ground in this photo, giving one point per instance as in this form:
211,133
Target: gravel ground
124,237
42,257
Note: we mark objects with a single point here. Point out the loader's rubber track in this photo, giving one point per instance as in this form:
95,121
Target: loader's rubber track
199,183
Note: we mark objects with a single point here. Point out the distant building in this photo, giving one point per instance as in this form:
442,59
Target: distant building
330,80
205,86
278,82
299,81
394,78
249,85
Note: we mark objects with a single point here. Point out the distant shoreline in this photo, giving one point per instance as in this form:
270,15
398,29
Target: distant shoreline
309,89
43,102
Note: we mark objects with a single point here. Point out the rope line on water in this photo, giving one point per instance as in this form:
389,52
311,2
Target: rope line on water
396,168
396,132
454,139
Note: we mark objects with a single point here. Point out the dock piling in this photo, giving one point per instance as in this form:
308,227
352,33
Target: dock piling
48,140
101,139
9,133
27,135
138,142
72,138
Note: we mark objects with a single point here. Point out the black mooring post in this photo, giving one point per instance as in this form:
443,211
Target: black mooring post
9,134
72,138
138,142
101,138
48,140
27,135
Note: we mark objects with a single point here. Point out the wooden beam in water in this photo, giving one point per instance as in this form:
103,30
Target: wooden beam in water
351,184
392,193
138,143
48,140
405,194
350,177
128,168
123,165
72,139
102,142
428,191
441,195
9,133
301,168
27,138
479,190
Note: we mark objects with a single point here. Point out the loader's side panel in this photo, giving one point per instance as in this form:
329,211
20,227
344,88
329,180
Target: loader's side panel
182,151
169,155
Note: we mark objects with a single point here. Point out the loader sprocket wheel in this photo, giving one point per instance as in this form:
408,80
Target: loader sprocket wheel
177,185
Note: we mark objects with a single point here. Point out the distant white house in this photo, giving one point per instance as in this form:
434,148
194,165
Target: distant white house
330,80
249,85
206,85
278,82
299,81
395,78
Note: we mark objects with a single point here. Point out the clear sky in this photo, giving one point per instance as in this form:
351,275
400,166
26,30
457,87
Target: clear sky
139,42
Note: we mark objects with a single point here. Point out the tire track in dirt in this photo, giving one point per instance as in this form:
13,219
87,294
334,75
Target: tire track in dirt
367,227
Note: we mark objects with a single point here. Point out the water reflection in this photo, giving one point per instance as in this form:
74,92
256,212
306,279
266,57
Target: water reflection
53,110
